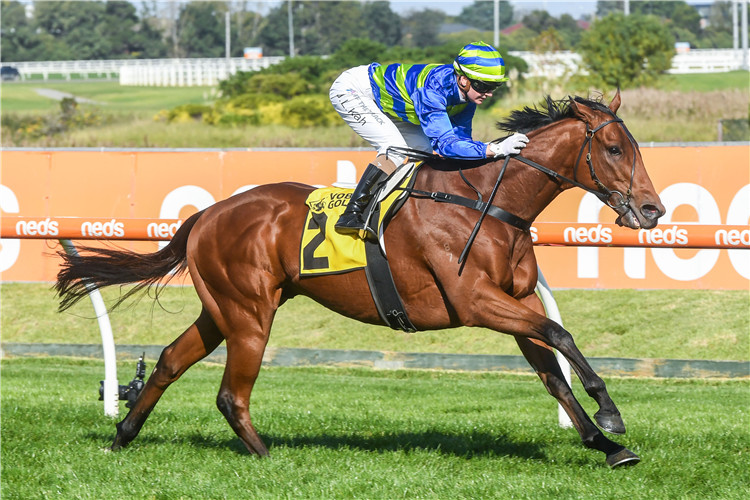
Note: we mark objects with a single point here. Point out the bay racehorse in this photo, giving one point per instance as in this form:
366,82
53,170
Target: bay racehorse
243,256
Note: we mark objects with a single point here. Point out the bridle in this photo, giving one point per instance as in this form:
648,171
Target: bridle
605,194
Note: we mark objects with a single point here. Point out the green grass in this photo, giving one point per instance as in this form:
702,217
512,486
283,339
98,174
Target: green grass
354,433
117,98
681,324
706,82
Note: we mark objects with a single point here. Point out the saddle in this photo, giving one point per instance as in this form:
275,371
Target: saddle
325,251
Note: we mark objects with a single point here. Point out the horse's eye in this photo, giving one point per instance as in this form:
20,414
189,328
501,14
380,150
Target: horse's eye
614,151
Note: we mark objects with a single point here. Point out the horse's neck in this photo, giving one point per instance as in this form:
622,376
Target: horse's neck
525,191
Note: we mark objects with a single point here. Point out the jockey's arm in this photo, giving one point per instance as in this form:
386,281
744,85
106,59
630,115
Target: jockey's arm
447,139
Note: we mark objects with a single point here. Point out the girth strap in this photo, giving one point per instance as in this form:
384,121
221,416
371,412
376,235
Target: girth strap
493,211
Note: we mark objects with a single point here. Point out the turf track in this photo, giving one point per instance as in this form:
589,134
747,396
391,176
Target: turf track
346,433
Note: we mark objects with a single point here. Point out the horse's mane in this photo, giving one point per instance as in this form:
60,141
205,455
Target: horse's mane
550,111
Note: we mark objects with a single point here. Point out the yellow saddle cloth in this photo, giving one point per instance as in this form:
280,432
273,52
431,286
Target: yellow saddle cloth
324,250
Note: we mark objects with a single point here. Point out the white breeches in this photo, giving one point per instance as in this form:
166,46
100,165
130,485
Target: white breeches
352,98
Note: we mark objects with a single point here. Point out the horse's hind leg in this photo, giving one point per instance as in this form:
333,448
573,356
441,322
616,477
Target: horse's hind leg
244,358
246,326
198,341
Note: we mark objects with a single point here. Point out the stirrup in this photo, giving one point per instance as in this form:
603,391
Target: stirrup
350,223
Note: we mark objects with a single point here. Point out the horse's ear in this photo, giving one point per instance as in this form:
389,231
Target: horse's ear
616,101
584,113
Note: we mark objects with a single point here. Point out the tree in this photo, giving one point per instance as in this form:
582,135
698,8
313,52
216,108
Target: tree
128,35
382,24
424,26
19,40
320,28
661,8
539,21
686,17
481,15
625,52
81,26
566,28
358,51
201,29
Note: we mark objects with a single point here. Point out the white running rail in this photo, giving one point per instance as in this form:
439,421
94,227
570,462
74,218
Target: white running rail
553,313
562,63
141,71
111,393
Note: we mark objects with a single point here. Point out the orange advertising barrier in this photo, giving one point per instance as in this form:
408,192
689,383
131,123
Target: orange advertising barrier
542,233
700,185
89,228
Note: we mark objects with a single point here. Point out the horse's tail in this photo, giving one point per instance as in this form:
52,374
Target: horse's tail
102,267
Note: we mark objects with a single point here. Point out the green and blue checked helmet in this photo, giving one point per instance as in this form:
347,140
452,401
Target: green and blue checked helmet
481,63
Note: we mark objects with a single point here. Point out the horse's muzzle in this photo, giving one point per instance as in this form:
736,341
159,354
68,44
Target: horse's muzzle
646,217
650,214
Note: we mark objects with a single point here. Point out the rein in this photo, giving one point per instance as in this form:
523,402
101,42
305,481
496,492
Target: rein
486,208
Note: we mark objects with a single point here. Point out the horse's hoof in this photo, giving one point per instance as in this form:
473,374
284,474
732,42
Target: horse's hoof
622,457
610,423
117,444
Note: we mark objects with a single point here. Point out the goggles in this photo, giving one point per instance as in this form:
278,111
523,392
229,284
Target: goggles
484,87
480,86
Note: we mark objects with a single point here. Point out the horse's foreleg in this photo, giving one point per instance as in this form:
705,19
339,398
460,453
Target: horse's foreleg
496,310
544,362
198,341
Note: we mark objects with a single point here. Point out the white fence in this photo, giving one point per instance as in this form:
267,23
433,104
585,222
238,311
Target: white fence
708,61
558,64
190,72
551,64
147,71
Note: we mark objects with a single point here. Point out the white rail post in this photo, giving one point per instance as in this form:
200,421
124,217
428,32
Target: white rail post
553,313
111,385
744,36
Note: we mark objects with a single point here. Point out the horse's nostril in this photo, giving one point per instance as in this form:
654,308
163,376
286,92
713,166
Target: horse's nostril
651,212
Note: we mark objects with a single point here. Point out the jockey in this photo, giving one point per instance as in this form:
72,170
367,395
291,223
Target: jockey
428,107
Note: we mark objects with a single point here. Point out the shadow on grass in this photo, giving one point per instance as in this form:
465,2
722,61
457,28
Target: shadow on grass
460,445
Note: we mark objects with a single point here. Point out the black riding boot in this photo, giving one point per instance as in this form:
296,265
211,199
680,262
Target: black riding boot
351,220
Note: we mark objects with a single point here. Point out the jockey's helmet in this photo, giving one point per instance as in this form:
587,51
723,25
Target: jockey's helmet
481,63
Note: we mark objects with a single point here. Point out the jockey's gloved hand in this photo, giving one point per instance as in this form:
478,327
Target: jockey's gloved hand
510,146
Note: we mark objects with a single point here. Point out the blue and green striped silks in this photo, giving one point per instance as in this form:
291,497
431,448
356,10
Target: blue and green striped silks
395,86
